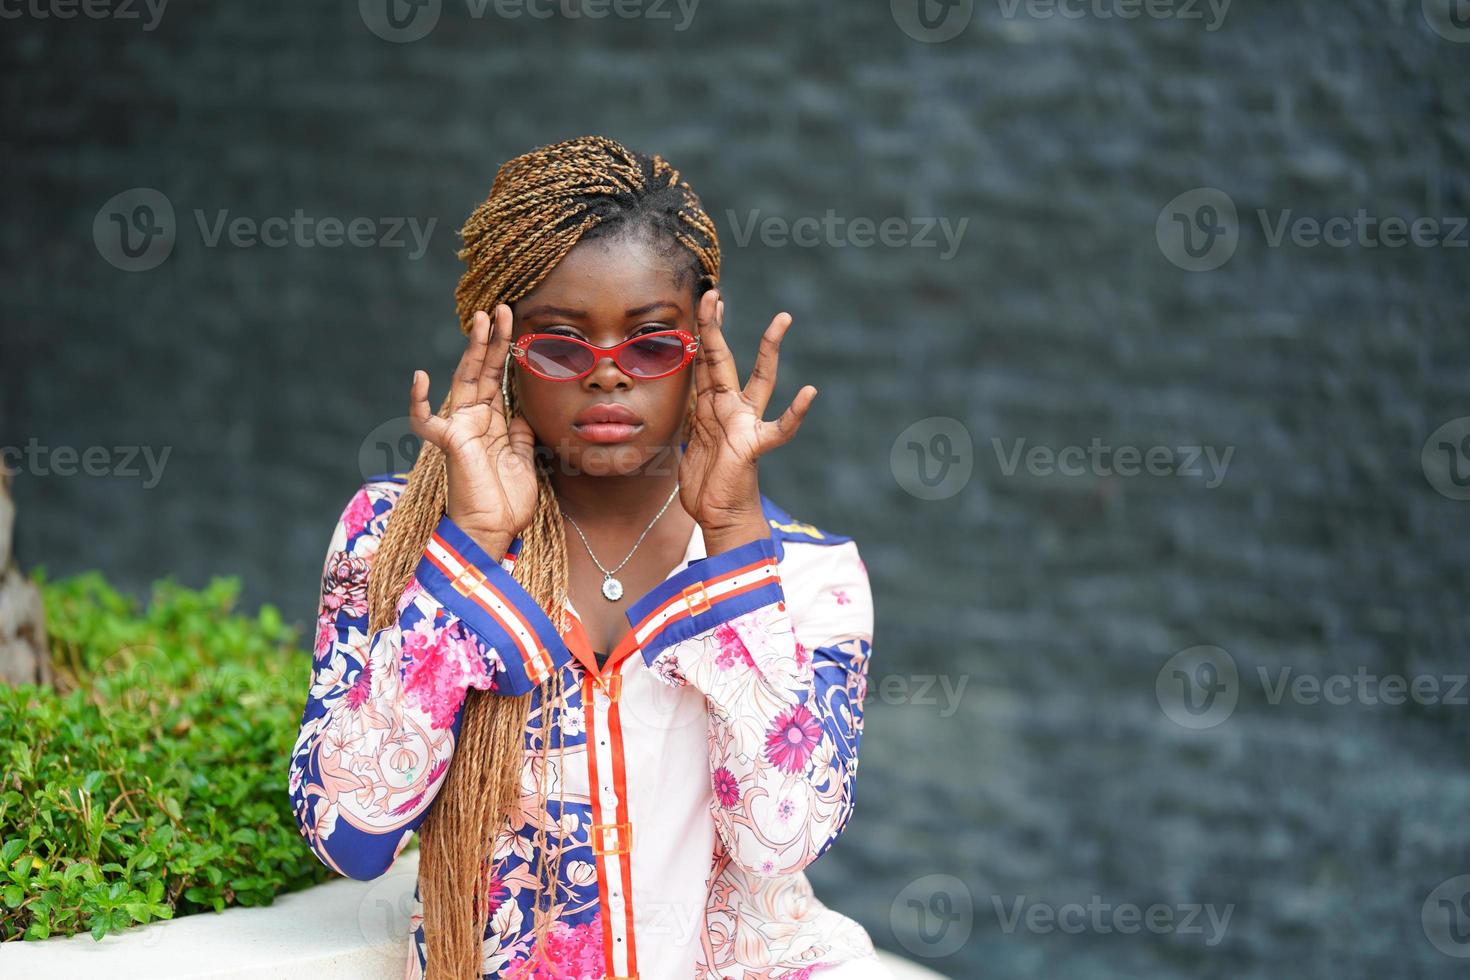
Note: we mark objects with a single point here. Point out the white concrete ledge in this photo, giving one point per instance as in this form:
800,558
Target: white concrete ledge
340,930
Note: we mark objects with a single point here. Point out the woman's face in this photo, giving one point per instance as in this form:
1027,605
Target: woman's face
605,291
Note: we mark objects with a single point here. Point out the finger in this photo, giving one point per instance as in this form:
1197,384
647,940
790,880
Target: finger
467,375
714,364
424,423
763,376
779,432
495,366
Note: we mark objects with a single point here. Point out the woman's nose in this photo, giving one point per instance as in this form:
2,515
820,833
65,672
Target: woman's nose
606,374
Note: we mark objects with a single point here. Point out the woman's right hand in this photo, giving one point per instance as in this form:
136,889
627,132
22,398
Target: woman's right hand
490,464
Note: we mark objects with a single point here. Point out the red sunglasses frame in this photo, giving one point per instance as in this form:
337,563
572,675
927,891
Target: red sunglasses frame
522,344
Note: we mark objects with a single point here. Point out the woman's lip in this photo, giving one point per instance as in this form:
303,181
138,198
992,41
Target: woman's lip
606,431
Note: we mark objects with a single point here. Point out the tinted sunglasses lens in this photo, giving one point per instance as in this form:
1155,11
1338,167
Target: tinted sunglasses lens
558,358
653,355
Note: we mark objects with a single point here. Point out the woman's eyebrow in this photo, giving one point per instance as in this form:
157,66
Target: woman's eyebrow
659,305
553,311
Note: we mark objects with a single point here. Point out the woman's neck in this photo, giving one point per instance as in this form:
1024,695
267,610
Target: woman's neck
618,501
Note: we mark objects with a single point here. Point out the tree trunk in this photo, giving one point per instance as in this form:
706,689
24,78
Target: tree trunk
24,655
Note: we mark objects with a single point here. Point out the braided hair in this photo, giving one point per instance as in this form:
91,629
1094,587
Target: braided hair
541,204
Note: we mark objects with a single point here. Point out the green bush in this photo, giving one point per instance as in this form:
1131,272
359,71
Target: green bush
151,783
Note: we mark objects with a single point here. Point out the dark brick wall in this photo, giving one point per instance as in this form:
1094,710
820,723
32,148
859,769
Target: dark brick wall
1066,315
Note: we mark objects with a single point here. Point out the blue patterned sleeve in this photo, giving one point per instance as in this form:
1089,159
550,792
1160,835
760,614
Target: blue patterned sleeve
383,712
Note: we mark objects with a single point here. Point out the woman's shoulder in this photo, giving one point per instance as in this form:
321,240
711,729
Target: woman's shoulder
788,529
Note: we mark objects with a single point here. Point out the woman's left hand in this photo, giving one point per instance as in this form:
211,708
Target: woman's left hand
717,475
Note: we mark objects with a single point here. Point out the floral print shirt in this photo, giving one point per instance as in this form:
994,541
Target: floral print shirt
690,778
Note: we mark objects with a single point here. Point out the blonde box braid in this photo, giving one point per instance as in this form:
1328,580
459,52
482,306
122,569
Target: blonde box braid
540,205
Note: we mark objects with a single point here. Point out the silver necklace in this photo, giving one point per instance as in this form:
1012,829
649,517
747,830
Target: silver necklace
612,589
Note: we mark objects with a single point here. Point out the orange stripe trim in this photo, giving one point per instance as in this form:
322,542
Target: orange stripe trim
678,599
596,794
620,786
527,656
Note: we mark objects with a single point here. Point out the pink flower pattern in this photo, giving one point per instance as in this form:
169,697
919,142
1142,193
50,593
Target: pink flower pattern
570,953
727,790
791,741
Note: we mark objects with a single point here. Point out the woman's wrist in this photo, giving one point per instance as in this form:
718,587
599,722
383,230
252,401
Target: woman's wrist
728,537
494,543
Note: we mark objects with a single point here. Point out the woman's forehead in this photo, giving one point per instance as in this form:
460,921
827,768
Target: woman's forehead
598,276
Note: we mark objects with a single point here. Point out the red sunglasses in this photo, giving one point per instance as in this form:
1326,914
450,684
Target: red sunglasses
557,357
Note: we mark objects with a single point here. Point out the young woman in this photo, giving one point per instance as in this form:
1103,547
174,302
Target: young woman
615,688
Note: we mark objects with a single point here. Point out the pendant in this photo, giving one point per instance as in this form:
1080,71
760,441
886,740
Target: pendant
612,589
